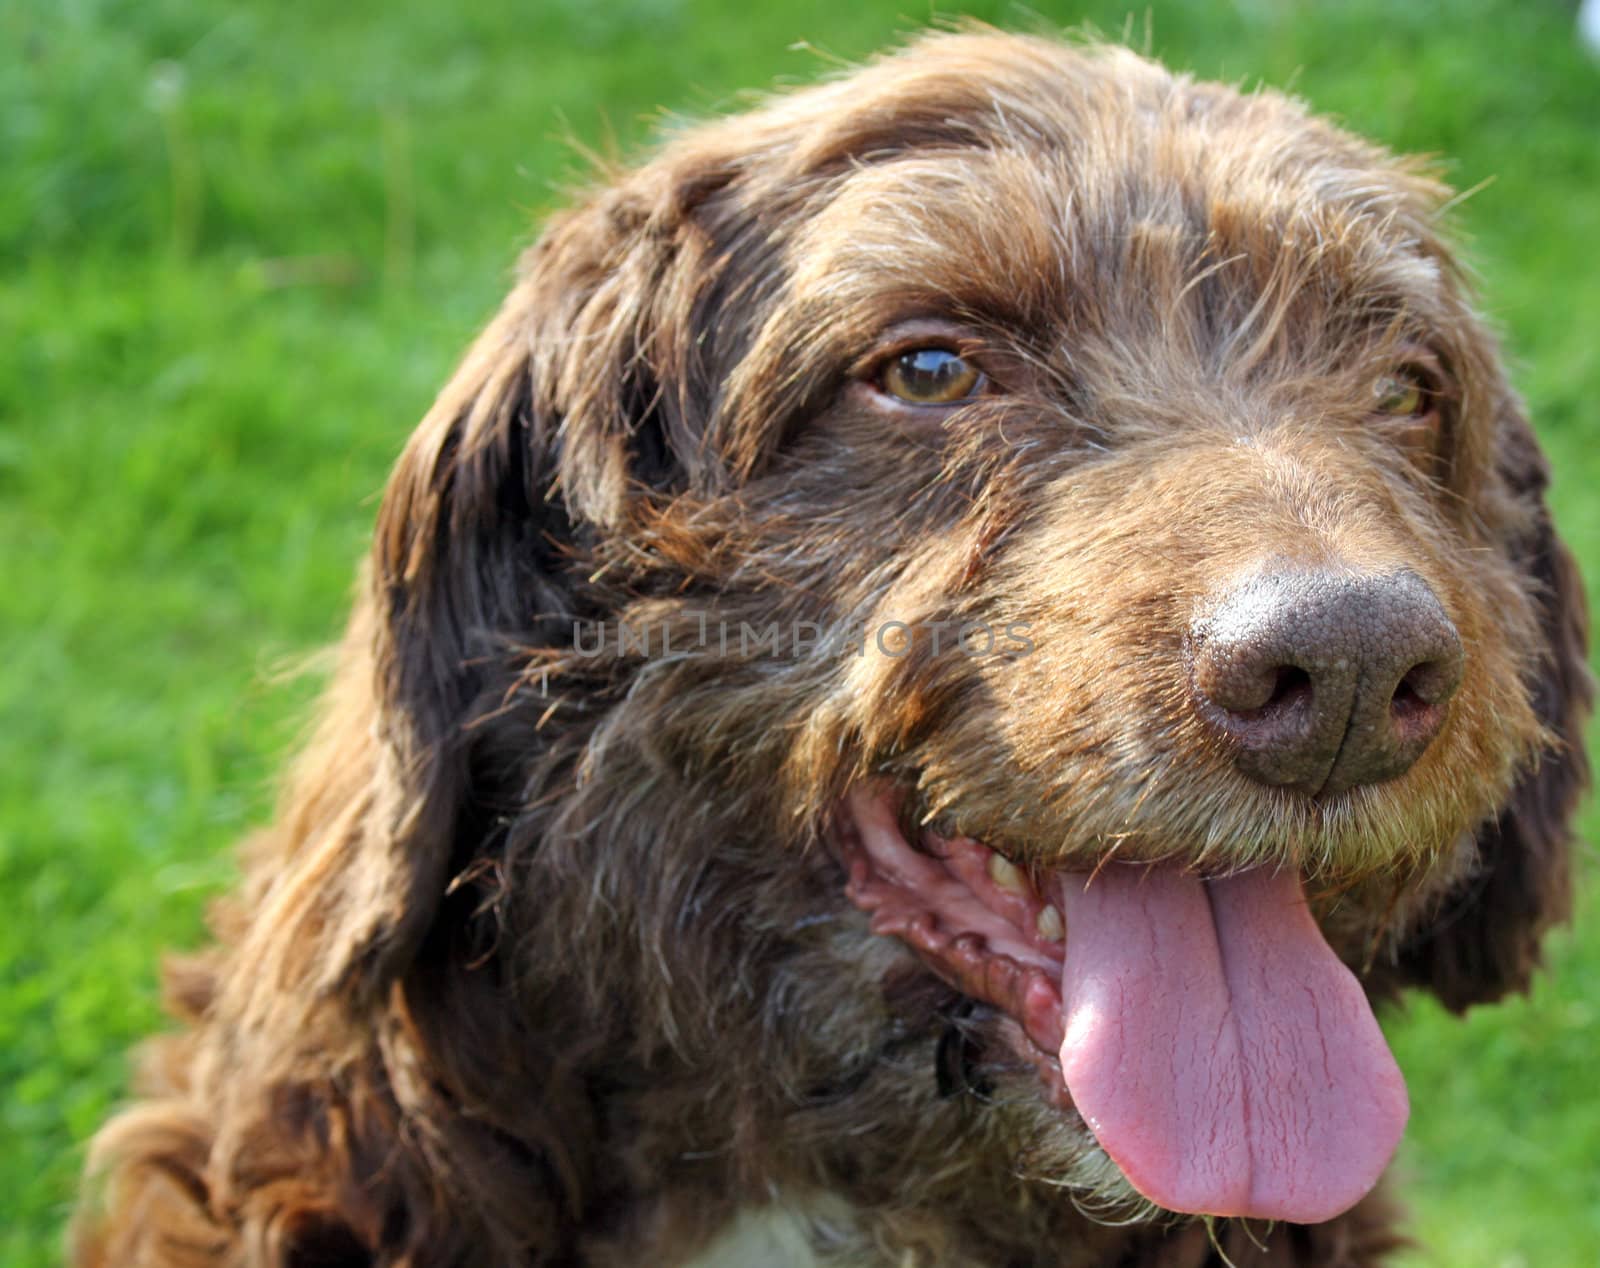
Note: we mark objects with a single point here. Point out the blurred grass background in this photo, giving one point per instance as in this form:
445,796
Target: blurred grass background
241,245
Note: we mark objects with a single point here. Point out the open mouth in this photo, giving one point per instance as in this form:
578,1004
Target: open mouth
1201,1028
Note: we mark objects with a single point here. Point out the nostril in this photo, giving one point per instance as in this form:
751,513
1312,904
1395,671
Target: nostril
1290,687
1417,707
1407,699
1410,714
1268,706
1429,682
1244,686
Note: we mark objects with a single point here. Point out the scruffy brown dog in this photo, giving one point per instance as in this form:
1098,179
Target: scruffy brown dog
950,636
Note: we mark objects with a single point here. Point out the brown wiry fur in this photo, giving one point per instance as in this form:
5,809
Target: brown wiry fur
546,959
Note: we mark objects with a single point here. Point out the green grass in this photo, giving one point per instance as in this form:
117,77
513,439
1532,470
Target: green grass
240,246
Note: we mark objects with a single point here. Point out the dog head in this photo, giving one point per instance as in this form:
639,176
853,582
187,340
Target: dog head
1011,544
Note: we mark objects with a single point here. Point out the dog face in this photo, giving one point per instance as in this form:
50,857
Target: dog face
1166,408
940,628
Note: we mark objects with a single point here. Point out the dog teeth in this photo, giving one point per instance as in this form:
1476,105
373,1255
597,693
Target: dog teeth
1049,924
1004,873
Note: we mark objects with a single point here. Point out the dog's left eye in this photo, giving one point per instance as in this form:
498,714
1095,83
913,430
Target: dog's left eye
930,376
1405,393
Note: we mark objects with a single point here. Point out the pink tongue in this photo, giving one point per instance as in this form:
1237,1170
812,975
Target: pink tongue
1218,1049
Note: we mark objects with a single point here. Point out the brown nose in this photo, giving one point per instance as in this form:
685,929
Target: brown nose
1324,681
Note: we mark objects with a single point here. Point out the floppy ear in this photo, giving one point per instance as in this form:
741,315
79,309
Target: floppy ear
467,562
377,808
1485,940
587,393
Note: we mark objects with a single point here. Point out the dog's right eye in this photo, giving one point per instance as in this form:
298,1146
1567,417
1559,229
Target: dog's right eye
930,376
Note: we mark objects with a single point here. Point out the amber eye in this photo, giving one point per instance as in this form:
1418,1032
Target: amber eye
930,376
1406,393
